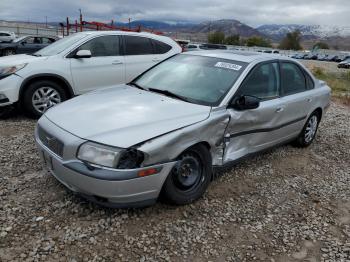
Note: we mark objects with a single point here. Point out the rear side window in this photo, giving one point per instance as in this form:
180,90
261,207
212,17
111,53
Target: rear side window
4,34
263,82
136,45
160,47
102,46
293,79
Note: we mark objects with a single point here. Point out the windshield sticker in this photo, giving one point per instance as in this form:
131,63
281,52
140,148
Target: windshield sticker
228,66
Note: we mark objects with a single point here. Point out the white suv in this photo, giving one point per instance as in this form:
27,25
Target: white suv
6,36
78,64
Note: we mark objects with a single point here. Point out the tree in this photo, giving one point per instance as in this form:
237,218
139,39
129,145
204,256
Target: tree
291,41
216,38
232,40
258,41
321,45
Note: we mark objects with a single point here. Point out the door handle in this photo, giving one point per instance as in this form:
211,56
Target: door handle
117,62
279,110
155,59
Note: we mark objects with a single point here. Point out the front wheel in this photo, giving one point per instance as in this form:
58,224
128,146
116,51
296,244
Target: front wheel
42,95
8,52
307,135
190,177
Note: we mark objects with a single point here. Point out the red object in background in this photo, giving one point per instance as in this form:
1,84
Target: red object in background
94,25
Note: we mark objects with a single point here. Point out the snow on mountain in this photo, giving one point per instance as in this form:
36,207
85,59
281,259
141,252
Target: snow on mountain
316,31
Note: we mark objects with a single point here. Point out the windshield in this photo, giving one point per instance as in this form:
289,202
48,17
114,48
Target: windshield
60,45
19,39
199,79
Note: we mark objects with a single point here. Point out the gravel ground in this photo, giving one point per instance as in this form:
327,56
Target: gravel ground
287,204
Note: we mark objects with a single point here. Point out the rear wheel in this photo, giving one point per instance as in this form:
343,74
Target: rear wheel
190,177
42,95
309,131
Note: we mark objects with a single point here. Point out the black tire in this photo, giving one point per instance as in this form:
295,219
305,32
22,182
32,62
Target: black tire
6,112
29,91
303,140
186,183
8,52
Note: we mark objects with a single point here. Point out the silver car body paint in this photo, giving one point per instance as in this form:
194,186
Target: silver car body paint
124,116
164,127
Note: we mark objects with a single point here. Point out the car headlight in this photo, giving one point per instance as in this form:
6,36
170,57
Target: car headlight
130,158
110,156
9,70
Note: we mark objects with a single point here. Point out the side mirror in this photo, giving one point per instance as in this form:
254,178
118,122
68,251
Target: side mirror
23,42
83,54
245,103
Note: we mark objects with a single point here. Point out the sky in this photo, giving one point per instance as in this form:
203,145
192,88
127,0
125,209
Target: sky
251,12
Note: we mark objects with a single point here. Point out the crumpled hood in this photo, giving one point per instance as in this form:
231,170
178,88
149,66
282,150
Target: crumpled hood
19,59
124,116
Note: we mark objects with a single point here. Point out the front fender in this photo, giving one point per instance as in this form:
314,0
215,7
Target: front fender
168,147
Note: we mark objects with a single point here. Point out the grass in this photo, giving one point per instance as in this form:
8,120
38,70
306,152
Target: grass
339,83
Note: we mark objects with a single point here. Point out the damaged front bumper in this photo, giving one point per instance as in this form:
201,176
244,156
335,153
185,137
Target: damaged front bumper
105,186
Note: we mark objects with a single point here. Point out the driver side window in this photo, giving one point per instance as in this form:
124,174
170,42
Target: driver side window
263,82
102,46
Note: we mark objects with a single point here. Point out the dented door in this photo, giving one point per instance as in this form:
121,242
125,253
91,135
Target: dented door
253,130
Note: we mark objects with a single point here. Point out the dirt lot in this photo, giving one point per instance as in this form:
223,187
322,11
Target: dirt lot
285,205
331,67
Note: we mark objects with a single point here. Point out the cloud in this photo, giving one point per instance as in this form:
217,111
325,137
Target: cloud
252,12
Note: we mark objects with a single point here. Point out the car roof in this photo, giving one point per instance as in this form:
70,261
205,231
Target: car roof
49,36
242,56
163,38
119,32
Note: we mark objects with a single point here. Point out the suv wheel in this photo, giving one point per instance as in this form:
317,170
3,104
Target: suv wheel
41,95
309,131
190,177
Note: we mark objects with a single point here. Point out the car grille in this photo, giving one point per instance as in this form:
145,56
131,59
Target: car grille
51,142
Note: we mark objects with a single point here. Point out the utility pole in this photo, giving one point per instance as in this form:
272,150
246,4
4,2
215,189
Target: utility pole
129,23
46,21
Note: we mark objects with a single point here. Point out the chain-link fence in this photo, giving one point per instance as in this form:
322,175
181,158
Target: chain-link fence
22,30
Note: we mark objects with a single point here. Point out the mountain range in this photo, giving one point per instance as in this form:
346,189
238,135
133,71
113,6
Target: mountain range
232,26
335,36
277,32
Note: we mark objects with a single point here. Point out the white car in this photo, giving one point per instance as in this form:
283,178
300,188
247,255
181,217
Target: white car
78,64
6,36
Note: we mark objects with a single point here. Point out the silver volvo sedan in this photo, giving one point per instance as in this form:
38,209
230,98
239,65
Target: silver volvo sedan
163,133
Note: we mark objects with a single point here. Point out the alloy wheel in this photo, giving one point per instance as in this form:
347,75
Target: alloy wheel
311,129
44,98
9,52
